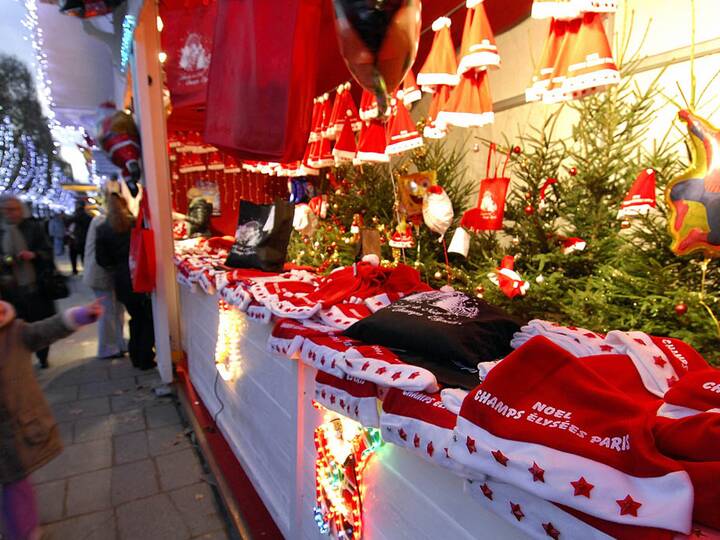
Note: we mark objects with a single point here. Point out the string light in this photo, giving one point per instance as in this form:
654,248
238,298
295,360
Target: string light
232,325
128,28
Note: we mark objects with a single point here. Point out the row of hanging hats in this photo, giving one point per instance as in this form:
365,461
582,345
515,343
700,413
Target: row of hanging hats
576,59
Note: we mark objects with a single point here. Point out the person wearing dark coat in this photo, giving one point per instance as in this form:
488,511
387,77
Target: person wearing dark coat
112,252
78,227
27,258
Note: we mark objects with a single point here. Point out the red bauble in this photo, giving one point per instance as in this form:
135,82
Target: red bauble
517,149
529,210
572,171
681,309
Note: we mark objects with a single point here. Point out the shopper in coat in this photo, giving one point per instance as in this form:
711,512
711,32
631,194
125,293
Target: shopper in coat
112,251
111,342
56,229
29,436
27,257
78,229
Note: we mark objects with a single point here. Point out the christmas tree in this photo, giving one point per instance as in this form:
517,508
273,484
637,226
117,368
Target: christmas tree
562,188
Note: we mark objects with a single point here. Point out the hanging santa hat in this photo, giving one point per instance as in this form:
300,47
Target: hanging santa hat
372,143
403,134
591,67
410,90
470,104
437,210
345,146
440,67
368,105
324,156
231,164
478,49
434,129
571,245
641,197
570,9
215,162
508,279
546,66
336,113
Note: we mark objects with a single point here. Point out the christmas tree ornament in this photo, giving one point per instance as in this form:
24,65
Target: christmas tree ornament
508,280
625,224
403,135
440,67
694,197
438,275
476,148
540,279
529,210
373,144
410,90
460,243
517,149
480,290
402,238
641,197
490,210
573,245
478,50
378,41
469,104
572,171
411,192
437,210
681,309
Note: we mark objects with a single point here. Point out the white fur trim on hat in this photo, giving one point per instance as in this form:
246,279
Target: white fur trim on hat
360,409
440,23
472,3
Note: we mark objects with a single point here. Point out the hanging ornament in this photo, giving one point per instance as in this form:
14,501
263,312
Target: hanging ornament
681,309
694,196
529,210
378,41
411,193
572,245
476,148
460,242
517,149
625,224
438,275
540,279
480,290
508,280
572,171
490,210
402,238
641,197
437,210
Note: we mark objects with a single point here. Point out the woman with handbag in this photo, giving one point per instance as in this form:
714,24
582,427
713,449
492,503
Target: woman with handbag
112,252
28,266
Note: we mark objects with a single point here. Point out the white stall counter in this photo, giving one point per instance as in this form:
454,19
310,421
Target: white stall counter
267,418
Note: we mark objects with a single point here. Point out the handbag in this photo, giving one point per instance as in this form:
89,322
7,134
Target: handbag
142,253
490,210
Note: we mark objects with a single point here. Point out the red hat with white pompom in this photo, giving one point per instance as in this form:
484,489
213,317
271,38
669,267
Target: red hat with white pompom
440,67
508,279
478,49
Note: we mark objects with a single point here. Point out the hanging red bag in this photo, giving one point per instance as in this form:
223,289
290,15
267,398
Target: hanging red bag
490,210
142,253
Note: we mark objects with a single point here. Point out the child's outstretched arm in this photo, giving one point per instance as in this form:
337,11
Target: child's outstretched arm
41,334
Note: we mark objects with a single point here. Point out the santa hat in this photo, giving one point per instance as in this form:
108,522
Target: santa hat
345,146
349,111
326,352
288,336
380,365
440,67
215,162
403,135
540,434
641,197
368,105
557,9
545,68
591,66
372,143
354,398
231,164
343,315
420,423
410,90
478,49
470,104
571,245
259,313
336,114
508,279
402,237
435,129
694,393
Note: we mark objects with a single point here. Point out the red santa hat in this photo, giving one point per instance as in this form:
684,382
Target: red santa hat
288,336
557,9
373,143
326,352
368,105
420,423
641,197
215,162
383,367
259,313
344,314
434,129
694,393
508,279
351,397
337,114
573,244
470,104
539,433
410,90
345,147
403,134
440,67
231,164
546,66
349,110
478,49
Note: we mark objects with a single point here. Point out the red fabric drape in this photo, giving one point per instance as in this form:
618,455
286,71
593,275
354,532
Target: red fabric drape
262,78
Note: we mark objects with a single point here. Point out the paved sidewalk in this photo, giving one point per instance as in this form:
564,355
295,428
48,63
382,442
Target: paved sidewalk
128,471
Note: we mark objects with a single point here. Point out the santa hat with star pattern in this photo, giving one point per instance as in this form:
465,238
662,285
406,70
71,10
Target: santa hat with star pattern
354,398
380,365
540,433
326,353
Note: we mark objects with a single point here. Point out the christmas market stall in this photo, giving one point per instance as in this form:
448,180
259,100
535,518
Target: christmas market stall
438,271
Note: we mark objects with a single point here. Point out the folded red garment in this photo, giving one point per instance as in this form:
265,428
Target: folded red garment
350,397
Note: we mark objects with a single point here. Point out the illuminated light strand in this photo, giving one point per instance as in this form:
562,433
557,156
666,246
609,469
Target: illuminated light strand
232,325
126,42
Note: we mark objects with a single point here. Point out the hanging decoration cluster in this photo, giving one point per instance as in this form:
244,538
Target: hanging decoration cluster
343,448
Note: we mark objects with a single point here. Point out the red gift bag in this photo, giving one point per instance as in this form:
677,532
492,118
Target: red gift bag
490,210
142,253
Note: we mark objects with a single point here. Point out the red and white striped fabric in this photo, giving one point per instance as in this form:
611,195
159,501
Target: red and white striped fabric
383,367
288,336
419,422
351,397
259,313
343,315
539,432
326,353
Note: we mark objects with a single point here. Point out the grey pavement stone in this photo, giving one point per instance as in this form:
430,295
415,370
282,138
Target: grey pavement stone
167,439
133,481
80,375
95,427
215,535
141,398
127,422
62,394
89,492
107,388
50,500
121,368
130,447
162,415
81,409
77,459
66,432
149,379
178,469
196,504
154,518
97,526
